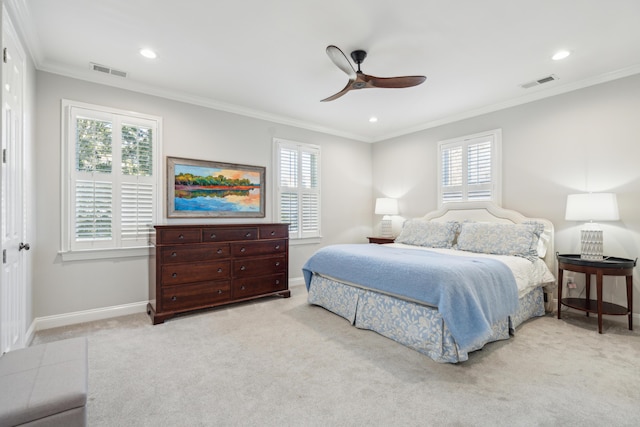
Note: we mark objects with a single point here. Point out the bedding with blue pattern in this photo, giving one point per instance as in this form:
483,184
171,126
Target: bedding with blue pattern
471,293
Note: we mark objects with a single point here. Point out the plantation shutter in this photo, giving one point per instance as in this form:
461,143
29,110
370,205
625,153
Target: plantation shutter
93,210
451,159
310,212
479,170
469,168
112,189
299,188
92,192
137,189
289,200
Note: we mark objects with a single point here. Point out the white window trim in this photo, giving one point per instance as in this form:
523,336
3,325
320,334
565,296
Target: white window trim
66,253
496,164
295,240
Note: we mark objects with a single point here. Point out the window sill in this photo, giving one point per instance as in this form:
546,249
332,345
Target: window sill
305,241
90,254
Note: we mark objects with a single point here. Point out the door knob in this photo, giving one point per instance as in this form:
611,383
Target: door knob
24,246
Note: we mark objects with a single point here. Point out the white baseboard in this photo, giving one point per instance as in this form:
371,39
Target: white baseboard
58,320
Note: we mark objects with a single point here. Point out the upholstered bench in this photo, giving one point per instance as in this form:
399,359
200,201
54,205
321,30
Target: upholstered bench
45,385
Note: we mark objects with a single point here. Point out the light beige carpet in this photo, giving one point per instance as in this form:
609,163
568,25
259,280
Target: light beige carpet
282,362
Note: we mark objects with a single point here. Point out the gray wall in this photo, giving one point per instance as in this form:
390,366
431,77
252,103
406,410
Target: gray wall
585,140
188,131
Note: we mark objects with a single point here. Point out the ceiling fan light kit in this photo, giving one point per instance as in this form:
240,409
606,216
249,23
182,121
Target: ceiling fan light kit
359,80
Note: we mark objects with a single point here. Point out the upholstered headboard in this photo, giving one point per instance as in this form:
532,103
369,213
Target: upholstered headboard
489,212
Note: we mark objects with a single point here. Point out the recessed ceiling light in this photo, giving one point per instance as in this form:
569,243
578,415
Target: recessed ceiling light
561,54
148,53
373,119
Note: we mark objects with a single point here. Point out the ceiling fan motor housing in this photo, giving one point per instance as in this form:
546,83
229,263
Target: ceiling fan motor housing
358,56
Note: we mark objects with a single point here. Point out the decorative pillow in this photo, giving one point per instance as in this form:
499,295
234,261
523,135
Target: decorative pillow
545,237
501,239
427,233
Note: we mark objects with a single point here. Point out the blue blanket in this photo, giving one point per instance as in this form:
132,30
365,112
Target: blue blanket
471,293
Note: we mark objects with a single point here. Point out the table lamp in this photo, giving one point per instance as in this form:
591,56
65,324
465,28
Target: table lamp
386,206
591,207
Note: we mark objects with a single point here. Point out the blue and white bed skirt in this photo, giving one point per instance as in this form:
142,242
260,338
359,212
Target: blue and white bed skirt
409,323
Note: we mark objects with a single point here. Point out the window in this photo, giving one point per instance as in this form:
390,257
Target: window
469,168
298,188
110,172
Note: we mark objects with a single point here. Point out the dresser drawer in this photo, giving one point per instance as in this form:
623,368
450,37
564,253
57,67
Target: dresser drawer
274,231
193,253
178,235
243,288
195,295
227,234
174,274
259,266
258,248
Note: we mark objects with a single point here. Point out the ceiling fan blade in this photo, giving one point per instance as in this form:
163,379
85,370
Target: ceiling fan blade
346,89
341,61
394,82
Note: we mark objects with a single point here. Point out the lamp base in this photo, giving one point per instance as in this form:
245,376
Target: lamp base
386,229
591,245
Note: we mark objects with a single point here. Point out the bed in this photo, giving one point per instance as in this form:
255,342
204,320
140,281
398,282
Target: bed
453,280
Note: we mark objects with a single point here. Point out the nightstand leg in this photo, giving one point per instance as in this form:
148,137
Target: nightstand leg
587,287
599,296
630,300
560,271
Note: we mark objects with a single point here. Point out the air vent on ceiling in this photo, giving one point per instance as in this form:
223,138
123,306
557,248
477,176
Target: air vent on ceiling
538,82
107,70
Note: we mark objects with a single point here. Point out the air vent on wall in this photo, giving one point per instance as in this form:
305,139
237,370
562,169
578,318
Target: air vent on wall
538,82
107,70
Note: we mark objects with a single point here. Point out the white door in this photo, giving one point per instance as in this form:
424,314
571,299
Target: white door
14,249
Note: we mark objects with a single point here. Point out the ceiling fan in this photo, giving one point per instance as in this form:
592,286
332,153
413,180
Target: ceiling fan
359,80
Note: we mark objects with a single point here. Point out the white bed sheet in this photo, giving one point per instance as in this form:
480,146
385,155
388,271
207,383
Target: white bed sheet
527,274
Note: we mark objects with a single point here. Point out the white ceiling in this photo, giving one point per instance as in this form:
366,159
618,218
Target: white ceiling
266,58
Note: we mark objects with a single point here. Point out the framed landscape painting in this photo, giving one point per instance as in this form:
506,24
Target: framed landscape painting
199,188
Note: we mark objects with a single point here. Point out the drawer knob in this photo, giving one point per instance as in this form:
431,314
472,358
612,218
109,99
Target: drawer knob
219,251
219,270
277,263
174,275
243,249
174,298
243,268
181,236
213,236
273,233
247,235
242,288
277,246
219,291
277,282
173,254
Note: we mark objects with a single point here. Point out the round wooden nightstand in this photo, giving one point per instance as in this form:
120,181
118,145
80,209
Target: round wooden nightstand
609,266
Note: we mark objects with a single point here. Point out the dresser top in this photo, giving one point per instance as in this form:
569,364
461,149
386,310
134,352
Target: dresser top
255,224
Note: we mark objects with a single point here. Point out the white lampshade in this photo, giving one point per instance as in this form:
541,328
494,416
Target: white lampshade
592,207
386,206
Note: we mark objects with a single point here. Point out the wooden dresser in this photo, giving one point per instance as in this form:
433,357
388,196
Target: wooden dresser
192,267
